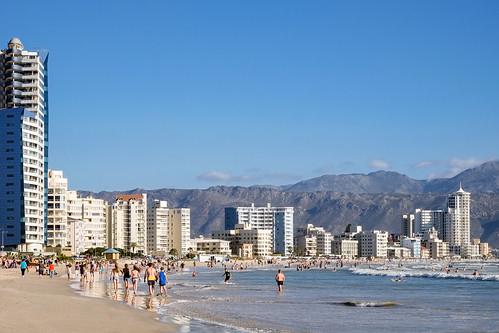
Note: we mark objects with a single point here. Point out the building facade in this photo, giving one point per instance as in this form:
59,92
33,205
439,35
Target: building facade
244,239
129,223
57,227
457,221
345,248
157,228
211,246
23,147
413,244
425,219
312,241
279,220
407,227
373,243
179,227
93,216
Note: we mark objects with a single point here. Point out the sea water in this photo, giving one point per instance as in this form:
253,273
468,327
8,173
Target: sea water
380,298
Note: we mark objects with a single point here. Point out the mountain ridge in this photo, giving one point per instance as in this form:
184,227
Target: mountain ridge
335,209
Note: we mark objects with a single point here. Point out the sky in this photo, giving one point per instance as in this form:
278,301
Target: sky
191,94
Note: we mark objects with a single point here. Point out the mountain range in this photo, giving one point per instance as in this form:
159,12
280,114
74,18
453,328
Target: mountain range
374,200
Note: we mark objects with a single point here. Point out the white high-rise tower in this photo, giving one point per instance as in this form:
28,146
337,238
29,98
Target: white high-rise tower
457,220
23,147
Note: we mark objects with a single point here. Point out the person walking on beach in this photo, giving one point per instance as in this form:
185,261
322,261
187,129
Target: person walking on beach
279,278
151,277
41,268
163,280
126,276
115,274
135,278
51,269
24,267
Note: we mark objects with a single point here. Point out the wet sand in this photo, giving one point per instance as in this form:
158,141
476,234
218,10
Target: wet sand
33,304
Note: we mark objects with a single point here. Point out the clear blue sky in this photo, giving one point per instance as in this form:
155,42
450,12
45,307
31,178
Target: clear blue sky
190,94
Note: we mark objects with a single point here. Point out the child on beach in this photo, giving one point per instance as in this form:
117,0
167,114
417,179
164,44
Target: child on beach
163,280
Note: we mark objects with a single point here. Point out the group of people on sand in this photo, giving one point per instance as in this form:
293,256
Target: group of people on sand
151,276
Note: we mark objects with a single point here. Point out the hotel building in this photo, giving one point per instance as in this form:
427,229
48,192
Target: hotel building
179,227
129,223
23,147
373,243
158,228
278,220
457,222
246,242
57,228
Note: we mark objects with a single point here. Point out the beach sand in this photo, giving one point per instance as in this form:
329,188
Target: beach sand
33,304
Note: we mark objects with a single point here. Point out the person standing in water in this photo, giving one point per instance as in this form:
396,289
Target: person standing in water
226,276
279,278
150,276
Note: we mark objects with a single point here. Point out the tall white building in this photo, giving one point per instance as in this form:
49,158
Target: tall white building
179,227
158,228
373,243
57,227
425,219
87,219
129,223
23,147
457,221
279,220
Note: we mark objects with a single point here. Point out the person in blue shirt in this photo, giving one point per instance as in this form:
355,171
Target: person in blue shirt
163,280
24,267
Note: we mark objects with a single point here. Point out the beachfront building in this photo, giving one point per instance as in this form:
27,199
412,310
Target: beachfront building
94,214
57,226
457,222
373,243
129,223
407,226
211,246
438,249
279,220
23,147
397,252
306,245
75,240
179,228
426,219
157,228
244,239
345,248
413,244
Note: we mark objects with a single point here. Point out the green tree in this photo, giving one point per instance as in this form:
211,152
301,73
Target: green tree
173,252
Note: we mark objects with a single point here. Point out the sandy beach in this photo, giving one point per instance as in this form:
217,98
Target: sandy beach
33,304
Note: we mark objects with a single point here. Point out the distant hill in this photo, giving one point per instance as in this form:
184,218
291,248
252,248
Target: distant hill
484,178
375,200
375,182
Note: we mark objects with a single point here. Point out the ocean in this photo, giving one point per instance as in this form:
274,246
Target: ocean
413,297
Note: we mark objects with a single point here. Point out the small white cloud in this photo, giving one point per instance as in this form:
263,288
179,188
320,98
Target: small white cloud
424,164
379,165
220,176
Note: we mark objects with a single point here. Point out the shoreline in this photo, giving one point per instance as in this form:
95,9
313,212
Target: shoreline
33,304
